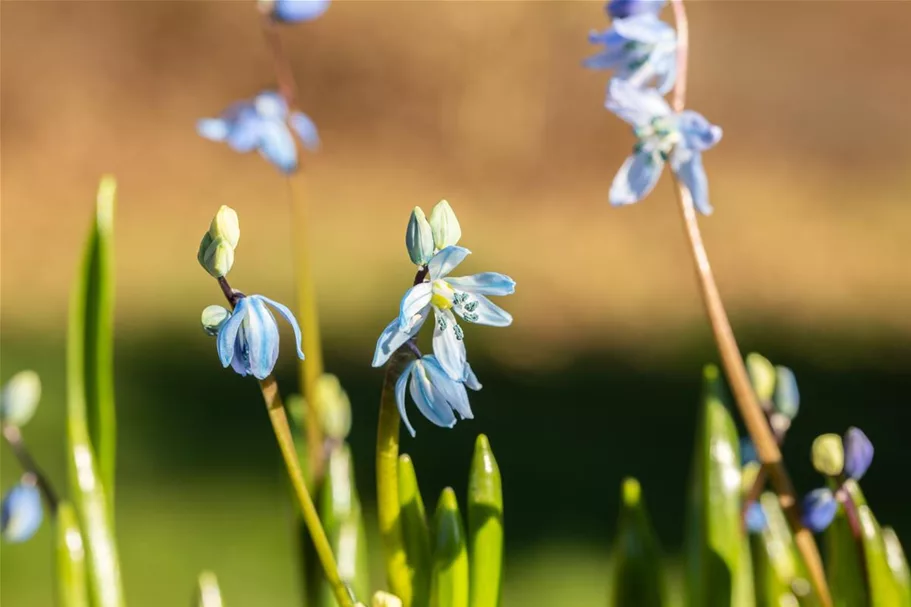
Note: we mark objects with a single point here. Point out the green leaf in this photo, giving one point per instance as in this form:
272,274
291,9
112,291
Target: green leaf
844,568
340,512
485,527
895,555
90,406
714,537
415,532
449,585
208,594
71,581
779,574
638,573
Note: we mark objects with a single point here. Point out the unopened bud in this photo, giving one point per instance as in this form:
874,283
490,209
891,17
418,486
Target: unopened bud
212,319
384,599
445,225
828,454
19,398
21,511
762,376
216,255
225,225
334,407
787,396
419,238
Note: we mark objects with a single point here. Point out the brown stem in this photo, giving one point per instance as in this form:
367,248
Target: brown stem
14,439
753,417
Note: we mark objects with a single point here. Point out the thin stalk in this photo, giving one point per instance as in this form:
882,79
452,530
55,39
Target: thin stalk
311,368
14,439
750,410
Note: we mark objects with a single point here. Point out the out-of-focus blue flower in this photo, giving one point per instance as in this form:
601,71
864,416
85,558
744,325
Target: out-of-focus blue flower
787,397
21,512
622,9
295,11
641,50
438,397
747,451
447,297
858,453
663,136
248,338
263,124
819,508
755,518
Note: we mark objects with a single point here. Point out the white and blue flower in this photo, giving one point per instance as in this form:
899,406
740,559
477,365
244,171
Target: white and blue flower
263,124
247,339
641,50
446,297
663,136
624,9
21,512
295,11
439,397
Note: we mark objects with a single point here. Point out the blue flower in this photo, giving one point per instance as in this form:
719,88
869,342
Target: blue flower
263,124
21,512
641,50
663,136
447,297
622,9
438,397
755,518
747,451
819,508
248,338
858,453
296,11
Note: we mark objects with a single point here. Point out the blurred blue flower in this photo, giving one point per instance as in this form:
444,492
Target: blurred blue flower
263,124
755,518
663,136
622,9
858,453
747,451
248,338
819,508
21,512
641,50
296,11
438,397
464,296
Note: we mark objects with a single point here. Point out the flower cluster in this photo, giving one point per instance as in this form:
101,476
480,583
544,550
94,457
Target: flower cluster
839,460
439,381
640,49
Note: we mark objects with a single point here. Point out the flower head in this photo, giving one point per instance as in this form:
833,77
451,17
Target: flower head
828,454
21,511
294,11
263,124
755,518
663,136
438,396
819,509
19,398
623,9
641,50
248,337
858,453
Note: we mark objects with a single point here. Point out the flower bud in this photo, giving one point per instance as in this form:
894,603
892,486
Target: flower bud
419,238
787,396
624,9
334,407
384,599
213,317
217,257
19,398
225,225
755,518
819,509
762,376
445,225
294,11
828,454
748,476
21,511
858,453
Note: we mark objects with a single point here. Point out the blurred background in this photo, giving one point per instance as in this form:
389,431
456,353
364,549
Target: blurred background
484,104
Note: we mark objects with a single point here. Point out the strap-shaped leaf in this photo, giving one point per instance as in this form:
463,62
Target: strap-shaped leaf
638,572
71,581
485,526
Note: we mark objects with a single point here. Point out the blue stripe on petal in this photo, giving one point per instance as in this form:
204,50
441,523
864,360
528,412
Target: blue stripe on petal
446,261
453,392
635,179
305,129
416,299
447,346
486,283
227,333
288,316
261,333
429,400
400,395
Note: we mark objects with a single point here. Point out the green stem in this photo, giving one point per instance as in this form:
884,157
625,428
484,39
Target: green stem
308,511
387,481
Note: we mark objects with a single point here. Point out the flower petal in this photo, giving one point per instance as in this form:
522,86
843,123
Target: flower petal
698,133
288,316
227,333
393,336
858,453
448,345
692,174
446,261
277,145
471,380
755,518
634,105
485,313
400,395
261,336
429,400
241,362
623,9
453,392
648,29
213,129
819,508
245,133
635,179
416,299
305,129
271,106
296,11
486,283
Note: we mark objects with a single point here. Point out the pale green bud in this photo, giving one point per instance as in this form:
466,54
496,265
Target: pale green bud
19,398
445,226
216,255
226,225
828,454
384,599
762,376
419,238
334,407
213,317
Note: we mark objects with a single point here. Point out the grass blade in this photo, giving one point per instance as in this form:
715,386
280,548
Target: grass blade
638,573
415,532
449,587
71,581
485,526
898,563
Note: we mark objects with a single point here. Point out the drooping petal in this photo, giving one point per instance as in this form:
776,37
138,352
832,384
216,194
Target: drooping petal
429,400
636,178
400,395
665,72
613,54
446,261
213,129
692,174
277,146
227,333
647,29
271,106
246,132
858,453
755,518
481,311
698,133
634,105
393,336
453,392
289,317
471,380
623,9
261,337
305,129
241,361
448,345
485,283
416,299
819,508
